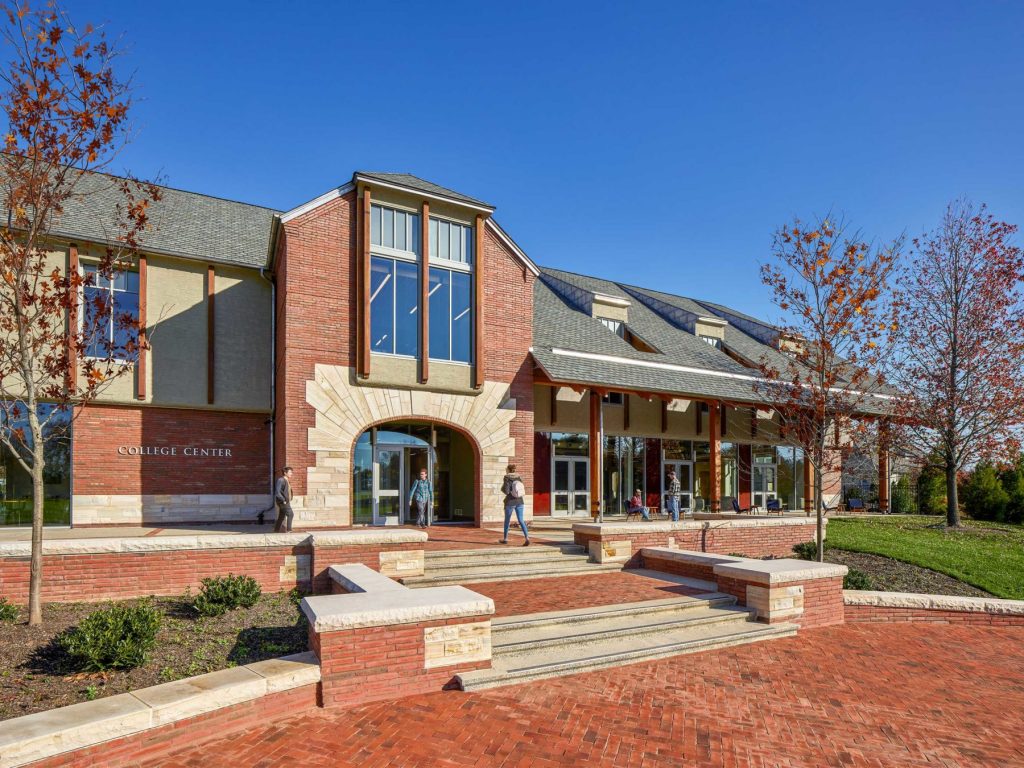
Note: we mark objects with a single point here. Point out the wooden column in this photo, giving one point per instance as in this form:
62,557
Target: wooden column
71,382
883,467
596,453
140,369
715,458
808,486
211,334
478,310
363,287
553,394
425,294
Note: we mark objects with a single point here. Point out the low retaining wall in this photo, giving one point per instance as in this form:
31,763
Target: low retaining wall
750,536
872,607
146,724
797,591
129,567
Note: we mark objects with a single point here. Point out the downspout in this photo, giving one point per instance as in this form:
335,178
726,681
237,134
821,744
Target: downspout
273,351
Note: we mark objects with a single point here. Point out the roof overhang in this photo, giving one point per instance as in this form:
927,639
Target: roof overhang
316,202
373,181
511,245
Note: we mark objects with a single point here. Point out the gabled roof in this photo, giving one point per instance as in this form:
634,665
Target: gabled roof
421,185
185,224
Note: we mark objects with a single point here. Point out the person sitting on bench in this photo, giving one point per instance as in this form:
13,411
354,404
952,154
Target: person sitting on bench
636,506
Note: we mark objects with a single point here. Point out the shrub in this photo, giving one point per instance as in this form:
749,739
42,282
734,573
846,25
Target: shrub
119,637
8,611
806,550
857,579
983,495
901,501
1013,483
931,491
225,593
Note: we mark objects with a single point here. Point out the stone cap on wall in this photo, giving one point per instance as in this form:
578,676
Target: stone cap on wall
53,732
690,556
333,613
356,577
126,544
667,526
933,602
782,571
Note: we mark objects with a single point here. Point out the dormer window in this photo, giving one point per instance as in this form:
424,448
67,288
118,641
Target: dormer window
716,343
615,326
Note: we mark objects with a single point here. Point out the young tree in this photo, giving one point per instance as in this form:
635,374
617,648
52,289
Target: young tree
962,344
832,289
66,119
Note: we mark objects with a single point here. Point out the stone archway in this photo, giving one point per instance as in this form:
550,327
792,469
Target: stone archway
344,410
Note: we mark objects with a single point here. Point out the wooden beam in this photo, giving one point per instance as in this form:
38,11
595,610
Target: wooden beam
140,369
211,334
363,283
479,275
425,293
715,456
71,382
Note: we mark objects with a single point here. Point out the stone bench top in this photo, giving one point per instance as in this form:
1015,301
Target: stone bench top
139,544
667,526
44,734
332,613
689,556
356,577
934,602
783,571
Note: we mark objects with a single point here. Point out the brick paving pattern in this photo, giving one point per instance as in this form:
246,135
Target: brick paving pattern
849,696
459,537
563,593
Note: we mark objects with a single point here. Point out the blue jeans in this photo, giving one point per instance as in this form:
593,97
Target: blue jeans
672,507
518,508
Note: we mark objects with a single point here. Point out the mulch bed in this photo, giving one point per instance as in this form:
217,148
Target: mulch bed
890,575
35,675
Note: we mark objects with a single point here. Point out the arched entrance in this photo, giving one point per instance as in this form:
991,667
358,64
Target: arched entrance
388,457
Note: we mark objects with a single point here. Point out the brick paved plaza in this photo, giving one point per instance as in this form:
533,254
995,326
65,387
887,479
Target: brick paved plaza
905,695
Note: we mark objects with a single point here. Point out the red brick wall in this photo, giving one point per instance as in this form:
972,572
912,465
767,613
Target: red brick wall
155,743
124,575
703,571
316,295
874,614
100,470
823,600
757,541
378,663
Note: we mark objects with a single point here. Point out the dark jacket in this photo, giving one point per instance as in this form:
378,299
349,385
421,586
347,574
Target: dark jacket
506,488
282,491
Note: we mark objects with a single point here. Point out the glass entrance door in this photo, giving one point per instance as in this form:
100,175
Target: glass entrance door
388,484
416,459
763,485
684,473
571,486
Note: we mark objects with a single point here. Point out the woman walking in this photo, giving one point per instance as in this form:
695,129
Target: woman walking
515,493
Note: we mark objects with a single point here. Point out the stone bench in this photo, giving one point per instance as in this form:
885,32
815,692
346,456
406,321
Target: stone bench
685,562
356,577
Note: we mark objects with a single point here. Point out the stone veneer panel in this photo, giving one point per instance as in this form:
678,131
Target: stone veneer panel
149,509
344,410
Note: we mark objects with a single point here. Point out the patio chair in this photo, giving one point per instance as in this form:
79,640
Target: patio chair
741,511
773,506
855,505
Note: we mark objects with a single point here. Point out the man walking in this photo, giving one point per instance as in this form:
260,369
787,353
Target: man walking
283,499
421,498
672,494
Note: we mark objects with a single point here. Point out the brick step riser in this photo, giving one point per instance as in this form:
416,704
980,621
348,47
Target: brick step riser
526,647
573,668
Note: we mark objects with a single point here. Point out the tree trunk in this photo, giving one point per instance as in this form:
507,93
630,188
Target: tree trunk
819,505
952,498
35,584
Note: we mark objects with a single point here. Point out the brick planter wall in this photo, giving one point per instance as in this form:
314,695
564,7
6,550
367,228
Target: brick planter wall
887,607
378,663
822,600
152,744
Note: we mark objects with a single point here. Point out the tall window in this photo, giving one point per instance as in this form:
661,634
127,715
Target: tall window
394,281
111,313
451,291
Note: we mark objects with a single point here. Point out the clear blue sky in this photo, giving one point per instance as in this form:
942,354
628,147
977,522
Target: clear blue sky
656,143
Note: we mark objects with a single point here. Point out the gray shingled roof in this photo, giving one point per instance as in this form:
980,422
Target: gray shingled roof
185,224
415,182
561,325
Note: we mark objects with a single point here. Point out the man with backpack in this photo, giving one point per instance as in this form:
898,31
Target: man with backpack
515,495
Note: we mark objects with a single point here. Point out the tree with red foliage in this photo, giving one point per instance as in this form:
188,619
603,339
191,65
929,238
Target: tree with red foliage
66,116
962,345
832,288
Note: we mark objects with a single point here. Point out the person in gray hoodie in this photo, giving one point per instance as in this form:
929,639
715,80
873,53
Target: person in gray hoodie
283,499
515,496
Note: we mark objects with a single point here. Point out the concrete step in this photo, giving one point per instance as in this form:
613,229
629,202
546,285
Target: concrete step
508,571
615,651
511,551
522,561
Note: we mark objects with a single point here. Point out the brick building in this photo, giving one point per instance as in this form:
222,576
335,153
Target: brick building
388,326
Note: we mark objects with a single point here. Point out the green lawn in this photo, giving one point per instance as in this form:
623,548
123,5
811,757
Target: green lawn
988,555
